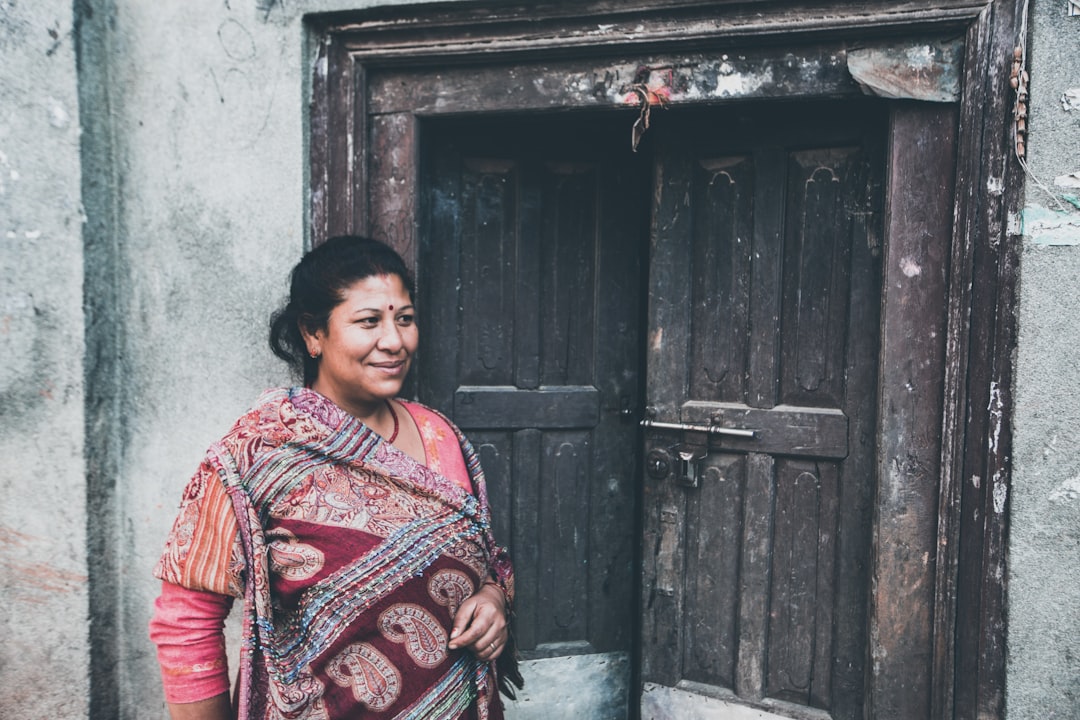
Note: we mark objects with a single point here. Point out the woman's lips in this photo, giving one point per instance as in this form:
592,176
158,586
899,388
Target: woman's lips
391,368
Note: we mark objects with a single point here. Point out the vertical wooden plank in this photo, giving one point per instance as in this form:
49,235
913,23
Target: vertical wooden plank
764,331
438,276
816,275
568,286
958,581
723,221
918,225
526,476
623,189
970,675
563,535
496,457
320,136
669,290
662,573
487,276
857,474
391,187
526,253
793,601
754,575
338,117
821,693
666,358
713,548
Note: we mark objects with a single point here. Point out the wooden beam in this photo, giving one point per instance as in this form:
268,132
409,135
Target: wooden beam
918,228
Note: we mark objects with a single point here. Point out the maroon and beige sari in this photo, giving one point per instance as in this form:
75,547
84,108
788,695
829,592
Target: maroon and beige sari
351,559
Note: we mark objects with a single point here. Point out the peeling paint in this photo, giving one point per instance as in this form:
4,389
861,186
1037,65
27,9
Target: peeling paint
910,267
1072,180
1068,491
1044,226
1070,100
996,412
735,85
58,114
1001,494
927,71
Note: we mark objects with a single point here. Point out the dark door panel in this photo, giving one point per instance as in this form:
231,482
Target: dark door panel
763,315
533,257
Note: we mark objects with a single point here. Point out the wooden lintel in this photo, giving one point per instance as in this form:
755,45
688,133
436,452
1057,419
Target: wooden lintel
485,28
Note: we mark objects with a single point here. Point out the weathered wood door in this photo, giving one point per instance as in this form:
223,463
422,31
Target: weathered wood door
532,263
764,295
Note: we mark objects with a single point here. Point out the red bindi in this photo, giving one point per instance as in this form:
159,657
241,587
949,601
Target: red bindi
391,307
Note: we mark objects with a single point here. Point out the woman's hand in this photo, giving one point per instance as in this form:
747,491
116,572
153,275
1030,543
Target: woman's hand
480,624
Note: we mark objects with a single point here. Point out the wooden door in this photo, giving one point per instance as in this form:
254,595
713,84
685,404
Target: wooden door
532,257
764,304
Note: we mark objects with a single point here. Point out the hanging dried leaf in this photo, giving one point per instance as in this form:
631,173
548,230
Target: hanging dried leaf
646,99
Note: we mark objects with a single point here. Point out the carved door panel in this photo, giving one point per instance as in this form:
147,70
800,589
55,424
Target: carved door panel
763,316
532,255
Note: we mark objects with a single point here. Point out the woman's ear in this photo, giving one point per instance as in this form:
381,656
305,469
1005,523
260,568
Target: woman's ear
312,335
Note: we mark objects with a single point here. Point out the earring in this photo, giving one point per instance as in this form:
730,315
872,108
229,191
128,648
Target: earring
314,355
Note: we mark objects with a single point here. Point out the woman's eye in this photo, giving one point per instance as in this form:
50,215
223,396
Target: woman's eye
405,319
368,321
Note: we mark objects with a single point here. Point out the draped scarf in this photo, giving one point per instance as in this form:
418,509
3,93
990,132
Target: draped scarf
351,559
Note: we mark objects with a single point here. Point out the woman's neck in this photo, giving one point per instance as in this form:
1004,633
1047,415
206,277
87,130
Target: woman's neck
377,413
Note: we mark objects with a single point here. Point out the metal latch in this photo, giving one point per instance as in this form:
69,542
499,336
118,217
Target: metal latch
687,455
692,427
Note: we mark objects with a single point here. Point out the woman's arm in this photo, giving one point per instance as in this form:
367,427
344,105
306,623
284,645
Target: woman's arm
215,708
188,629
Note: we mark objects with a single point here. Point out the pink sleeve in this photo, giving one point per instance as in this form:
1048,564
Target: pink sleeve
188,629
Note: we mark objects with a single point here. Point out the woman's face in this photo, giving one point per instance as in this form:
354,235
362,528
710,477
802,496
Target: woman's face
367,345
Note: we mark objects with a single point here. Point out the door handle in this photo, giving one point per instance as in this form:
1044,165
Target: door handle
692,427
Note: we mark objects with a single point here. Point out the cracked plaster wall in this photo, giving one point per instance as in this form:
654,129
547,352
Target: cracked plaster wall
1044,537
43,556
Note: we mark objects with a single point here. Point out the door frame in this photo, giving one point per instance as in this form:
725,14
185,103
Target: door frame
379,72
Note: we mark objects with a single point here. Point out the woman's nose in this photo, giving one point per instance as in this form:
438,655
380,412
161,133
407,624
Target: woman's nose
390,339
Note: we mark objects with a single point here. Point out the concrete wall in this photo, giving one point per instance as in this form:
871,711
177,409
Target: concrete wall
1044,537
197,150
43,549
192,171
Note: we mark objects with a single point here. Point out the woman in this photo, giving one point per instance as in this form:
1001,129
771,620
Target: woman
353,525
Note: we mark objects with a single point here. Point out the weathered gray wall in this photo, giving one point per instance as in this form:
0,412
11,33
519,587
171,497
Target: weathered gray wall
192,173
1044,544
194,152
43,551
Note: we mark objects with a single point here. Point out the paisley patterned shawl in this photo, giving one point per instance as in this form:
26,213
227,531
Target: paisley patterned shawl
354,561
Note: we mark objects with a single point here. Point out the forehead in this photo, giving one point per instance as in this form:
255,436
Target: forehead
376,291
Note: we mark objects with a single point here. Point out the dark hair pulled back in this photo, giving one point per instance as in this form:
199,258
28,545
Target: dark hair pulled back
317,286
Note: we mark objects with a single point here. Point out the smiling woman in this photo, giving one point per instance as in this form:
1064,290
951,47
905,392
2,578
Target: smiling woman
353,525
366,348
